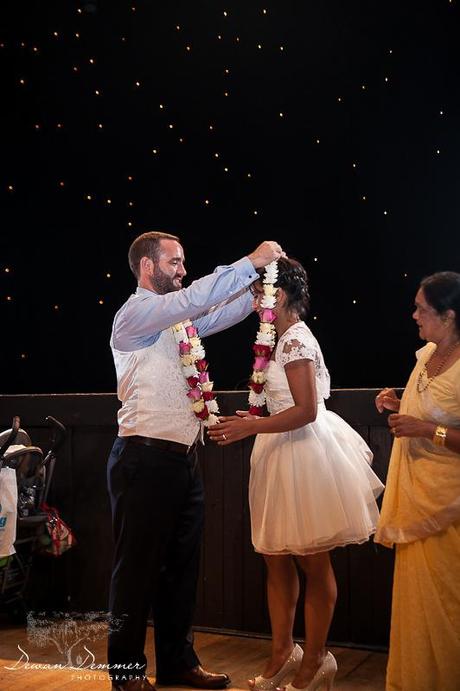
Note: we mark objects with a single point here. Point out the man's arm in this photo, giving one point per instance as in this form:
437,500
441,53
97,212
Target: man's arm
140,321
226,314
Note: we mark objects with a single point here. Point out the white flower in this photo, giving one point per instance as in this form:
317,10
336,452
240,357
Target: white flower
212,420
257,399
268,301
271,272
212,406
180,333
198,353
190,371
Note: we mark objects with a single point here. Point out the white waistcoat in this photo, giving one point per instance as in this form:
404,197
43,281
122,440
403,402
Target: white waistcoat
152,390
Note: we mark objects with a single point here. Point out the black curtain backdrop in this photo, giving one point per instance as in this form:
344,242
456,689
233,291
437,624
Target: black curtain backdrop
329,126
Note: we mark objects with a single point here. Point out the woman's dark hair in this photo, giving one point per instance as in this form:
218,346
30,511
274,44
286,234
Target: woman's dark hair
442,293
293,279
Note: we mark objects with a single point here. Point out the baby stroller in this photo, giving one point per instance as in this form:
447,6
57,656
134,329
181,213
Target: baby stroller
34,472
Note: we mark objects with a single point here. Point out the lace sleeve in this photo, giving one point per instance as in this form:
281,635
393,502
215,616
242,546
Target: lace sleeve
293,349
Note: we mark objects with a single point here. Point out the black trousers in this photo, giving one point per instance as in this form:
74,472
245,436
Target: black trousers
157,516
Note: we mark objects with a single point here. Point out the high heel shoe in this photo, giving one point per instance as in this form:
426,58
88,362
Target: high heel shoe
291,665
323,679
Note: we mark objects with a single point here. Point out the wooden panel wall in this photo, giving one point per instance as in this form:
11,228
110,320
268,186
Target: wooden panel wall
231,592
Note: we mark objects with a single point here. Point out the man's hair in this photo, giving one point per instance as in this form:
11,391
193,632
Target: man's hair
146,245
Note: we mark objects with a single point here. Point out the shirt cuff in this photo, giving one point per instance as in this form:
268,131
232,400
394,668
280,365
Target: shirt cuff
245,270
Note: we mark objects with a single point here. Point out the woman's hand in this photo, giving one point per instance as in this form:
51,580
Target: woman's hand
232,428
387,399
408,426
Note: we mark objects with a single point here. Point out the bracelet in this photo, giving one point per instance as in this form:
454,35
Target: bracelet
439,436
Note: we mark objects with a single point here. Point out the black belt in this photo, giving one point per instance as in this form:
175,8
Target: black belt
163,444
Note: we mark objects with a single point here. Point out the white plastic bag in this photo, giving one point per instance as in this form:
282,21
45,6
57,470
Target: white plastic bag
8,511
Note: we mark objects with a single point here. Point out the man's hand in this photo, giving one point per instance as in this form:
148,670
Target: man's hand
265,253
387,399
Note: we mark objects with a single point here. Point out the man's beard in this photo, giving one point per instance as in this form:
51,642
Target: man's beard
161,283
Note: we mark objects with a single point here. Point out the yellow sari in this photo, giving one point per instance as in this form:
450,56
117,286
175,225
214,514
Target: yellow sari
421,515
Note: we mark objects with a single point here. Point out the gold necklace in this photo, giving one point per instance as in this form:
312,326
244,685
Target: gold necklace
421,385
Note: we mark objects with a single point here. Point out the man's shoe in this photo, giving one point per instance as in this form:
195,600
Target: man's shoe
197,677
133,685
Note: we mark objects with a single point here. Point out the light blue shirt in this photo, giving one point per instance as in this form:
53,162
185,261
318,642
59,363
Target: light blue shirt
214,303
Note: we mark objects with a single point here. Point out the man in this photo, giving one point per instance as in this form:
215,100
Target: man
155,489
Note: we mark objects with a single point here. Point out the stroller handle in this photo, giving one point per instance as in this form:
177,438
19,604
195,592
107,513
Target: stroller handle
13,434
59,433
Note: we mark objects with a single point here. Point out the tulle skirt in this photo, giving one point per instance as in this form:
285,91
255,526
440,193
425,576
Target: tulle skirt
312,489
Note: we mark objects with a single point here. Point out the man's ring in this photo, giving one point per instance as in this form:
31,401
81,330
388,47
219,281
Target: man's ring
224,437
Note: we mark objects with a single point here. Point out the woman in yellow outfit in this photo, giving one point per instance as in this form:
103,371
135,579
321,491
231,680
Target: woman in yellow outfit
421,506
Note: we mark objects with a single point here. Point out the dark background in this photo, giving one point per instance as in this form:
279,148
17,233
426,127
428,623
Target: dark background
341,130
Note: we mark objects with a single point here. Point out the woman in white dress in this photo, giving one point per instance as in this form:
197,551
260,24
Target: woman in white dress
311,488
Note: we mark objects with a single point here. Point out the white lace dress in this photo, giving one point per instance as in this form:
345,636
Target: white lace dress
310,489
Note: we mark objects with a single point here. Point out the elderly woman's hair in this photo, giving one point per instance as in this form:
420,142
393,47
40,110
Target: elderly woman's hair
292,278
442,293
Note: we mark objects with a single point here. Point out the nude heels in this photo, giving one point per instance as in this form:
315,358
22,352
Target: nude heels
291,666
323,679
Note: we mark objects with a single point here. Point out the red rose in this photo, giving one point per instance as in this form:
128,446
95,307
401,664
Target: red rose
201,365
192,382
255,410
203,415
257,388
208,395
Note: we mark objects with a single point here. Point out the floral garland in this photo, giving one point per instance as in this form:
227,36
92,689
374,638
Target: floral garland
265,341
195,371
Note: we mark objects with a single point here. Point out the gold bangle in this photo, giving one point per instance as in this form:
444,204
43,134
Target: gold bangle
439,436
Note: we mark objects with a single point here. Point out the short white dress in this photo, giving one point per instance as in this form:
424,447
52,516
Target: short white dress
311,489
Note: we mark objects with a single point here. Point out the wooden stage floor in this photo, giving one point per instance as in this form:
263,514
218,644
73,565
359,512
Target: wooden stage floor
239,656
